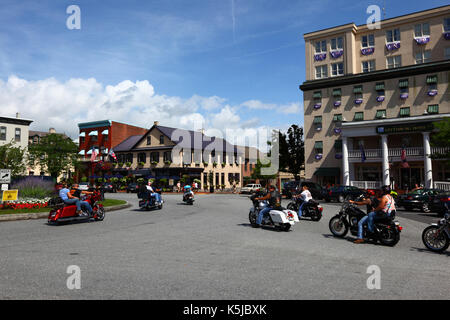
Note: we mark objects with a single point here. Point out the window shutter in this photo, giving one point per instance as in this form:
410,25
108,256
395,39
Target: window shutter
337,92
317,95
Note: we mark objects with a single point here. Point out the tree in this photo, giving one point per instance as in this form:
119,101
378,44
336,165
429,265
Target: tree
442,138
11,157
256,173
55,153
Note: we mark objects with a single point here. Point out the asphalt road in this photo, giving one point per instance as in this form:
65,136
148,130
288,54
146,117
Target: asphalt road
209,251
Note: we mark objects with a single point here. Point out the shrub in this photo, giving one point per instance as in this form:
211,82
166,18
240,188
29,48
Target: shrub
34,187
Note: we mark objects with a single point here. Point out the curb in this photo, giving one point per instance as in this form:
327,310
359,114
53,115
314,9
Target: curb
42,215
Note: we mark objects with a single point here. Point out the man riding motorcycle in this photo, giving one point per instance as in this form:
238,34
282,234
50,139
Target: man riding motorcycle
153,193
385,207
274,199
187,192
305,196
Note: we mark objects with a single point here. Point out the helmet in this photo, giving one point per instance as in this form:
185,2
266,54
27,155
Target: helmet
386,189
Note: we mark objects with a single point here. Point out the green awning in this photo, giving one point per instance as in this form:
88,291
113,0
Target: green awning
359,116
380,114
337,117
328,172
432,79
357,89
404,83
379,86
318,145
404,112
337,92
317,120
317,94
434,108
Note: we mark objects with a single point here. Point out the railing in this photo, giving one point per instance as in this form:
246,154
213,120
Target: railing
442,185
366,184
396,152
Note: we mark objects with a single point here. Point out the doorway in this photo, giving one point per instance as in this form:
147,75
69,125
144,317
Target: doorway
410,176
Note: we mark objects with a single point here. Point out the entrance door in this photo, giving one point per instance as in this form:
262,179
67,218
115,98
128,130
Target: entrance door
409,177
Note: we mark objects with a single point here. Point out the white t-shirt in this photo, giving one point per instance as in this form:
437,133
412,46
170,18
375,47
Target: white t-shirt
149,188
306,196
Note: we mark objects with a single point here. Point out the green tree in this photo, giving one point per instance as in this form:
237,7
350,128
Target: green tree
442,138
55,153
11,157
292,150
256,173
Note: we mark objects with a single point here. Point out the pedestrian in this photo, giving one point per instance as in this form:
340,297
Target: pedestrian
178,186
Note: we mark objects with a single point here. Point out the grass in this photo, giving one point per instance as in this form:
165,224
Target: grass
106,203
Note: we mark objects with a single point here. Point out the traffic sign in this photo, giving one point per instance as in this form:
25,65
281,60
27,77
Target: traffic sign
5,175
10,195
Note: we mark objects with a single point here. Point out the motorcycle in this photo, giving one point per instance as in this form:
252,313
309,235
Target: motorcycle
311,209
188,198
437,236
386,230
62,212
147,202
280,218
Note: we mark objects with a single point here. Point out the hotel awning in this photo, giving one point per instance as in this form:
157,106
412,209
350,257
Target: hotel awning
105,132
93,133
82,152
328,172
83,134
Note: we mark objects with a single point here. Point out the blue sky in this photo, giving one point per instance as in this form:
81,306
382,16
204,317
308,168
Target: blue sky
247,55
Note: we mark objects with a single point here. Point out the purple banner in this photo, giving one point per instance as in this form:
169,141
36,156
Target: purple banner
337,103
337,53
404,96
337,130
393,46
447,35
367,51
422,40
320,56
432,93
358,101
317,106
318,156
380,98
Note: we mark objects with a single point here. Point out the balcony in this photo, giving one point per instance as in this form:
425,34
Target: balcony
414,153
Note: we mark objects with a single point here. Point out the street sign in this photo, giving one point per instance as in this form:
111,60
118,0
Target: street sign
5,175
10,195
4,187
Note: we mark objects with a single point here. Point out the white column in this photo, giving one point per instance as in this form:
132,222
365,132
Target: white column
345,166
385,160
427,162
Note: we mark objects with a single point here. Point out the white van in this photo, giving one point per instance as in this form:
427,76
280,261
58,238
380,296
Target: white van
249,188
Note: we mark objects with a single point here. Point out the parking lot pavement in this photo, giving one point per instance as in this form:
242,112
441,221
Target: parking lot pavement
209,251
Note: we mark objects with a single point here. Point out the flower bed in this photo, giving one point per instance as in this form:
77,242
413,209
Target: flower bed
28,203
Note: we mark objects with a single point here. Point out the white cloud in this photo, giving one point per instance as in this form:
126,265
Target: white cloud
62,105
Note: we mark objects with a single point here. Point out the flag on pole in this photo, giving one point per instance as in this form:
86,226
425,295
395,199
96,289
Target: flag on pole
94,154
403,157
112,154
363,154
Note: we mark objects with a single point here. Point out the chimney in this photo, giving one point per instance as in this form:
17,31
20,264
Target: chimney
17,115
51,130
156,123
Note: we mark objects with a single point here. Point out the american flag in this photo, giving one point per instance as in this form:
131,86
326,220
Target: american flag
94,154
363,153
112,154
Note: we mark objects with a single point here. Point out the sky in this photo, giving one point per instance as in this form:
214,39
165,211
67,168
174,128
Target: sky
231,65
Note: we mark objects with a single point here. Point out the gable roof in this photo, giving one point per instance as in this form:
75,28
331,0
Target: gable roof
127,144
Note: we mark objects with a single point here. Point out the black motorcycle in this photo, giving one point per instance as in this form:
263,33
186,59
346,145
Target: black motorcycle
147,202
188,198
386,230
437,236
311,209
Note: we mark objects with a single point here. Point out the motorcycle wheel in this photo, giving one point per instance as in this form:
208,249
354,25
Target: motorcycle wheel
435,240
316,216
285,227
100,214
292,206
252,219
337,227
389,237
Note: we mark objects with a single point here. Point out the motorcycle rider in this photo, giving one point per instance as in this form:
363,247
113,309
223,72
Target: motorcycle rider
76,192
384,208
274,199
305,196
187,191
153,193
68,198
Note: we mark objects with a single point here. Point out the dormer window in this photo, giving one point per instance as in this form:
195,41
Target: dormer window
149,140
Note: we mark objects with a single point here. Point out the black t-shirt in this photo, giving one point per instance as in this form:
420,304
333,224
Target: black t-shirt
274,198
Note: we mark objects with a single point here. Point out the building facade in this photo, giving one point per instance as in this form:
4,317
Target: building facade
371,97
14,130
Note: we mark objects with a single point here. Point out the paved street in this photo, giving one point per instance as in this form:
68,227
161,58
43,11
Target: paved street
209,251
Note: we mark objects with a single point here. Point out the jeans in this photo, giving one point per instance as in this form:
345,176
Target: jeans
76,202
261,215
300,211
370,223
157,196
86,206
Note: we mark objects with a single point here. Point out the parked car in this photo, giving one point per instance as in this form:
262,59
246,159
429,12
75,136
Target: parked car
109,187
341,192
250,188
418,199
289,188
439,202
132,187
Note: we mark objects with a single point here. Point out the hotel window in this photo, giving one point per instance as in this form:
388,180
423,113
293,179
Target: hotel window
149,140
432,83
433,109
403,84
317,96
357,90
337,69
404,112
447,25
394,62
161,139
368,41
2,133
321,46
154,157
338,145
142,157
421,30
167,156
321,72
423,56
318,122
17,135
318,147
447,52
337,43
359,116
379,88
368,66
337,117
393,35
381,114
